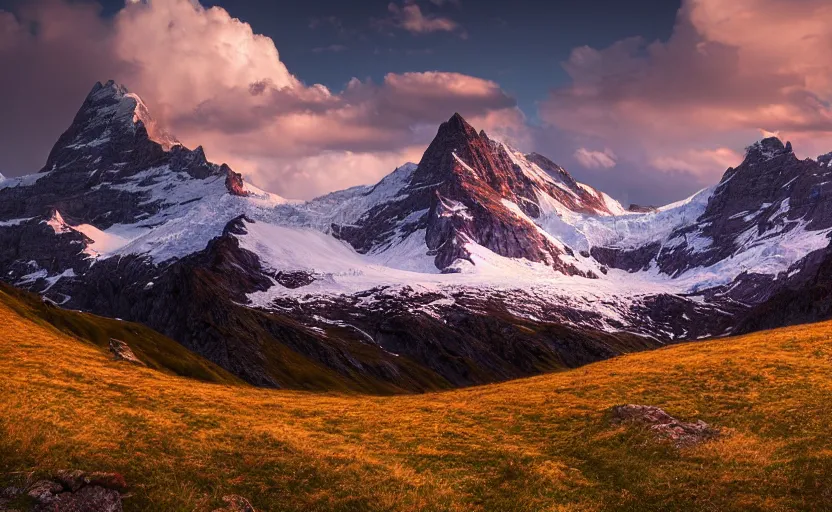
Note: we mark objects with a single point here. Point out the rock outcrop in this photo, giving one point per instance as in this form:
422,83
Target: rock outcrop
74,491
663,425
122,352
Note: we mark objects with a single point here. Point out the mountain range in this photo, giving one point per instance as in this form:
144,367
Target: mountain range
477,264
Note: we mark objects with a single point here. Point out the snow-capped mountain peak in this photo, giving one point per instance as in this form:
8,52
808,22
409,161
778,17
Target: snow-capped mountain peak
131,112
111,124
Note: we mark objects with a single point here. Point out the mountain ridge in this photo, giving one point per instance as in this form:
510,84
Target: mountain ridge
477,264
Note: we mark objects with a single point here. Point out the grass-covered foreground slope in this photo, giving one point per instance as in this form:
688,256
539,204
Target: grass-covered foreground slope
543,443
153,349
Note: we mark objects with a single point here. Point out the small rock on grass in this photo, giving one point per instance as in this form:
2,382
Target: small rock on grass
665,426
122,352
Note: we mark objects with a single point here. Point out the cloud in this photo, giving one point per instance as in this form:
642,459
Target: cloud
410,17
327,21
46,74
690,104
698,162
595,159
333,48
212,81
441,3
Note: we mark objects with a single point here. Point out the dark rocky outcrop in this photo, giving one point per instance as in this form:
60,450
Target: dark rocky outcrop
637,208
805,297
233,182
663,425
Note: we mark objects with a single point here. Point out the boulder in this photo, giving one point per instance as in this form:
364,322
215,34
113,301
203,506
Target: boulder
665,426
87,499
122,352
78,491
75,480
10,492
44,491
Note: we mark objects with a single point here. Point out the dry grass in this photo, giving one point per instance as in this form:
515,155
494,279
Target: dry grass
534,445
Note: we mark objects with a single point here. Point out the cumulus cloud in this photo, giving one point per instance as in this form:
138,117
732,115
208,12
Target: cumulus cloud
214,82
690,104
595,159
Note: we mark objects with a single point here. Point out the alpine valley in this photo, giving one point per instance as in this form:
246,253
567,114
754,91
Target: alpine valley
478,264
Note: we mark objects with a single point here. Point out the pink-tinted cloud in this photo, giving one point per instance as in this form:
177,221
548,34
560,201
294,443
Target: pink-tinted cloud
214,82
46,74
730,70
699,163
595,159
410,17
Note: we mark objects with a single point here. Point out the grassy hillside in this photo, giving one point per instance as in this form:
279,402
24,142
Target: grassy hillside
153,349
543,443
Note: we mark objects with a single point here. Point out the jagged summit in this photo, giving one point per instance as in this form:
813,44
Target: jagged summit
110,89
113,125
457,123
769,147
102,94
114,138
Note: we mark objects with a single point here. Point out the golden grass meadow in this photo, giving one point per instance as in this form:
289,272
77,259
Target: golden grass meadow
537,444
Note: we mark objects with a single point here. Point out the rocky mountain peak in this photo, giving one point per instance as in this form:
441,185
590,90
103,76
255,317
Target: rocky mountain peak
112,104
458,124
768,148
102,92
110,126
